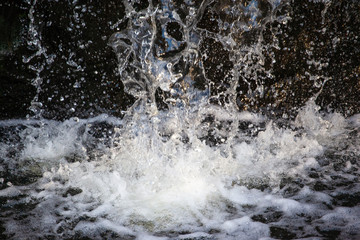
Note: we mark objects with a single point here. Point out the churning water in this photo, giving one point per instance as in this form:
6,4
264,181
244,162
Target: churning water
195,169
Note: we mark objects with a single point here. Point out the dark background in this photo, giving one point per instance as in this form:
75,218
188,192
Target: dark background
81,78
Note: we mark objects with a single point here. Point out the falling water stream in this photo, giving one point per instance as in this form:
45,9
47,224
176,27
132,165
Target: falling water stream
193,156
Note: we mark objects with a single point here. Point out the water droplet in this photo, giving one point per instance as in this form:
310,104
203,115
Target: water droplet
76,85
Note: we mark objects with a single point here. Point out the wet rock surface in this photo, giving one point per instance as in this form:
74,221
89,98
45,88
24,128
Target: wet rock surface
56,62
61,56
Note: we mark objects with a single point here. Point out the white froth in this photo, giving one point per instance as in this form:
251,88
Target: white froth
147,184
321,126
245,228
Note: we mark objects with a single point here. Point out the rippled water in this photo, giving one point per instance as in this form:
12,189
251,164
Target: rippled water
193,156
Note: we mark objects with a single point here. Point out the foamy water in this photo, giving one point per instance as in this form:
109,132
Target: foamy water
154,177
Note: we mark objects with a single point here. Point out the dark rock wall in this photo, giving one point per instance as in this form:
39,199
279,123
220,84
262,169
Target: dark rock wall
310,45
16,91
78,69
62,63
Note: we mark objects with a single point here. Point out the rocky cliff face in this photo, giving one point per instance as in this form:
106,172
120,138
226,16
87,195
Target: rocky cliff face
269,56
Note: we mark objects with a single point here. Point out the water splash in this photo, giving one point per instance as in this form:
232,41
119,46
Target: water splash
34,42
160,174
197,168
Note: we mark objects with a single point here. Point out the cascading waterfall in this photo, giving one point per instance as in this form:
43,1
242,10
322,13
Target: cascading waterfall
194,156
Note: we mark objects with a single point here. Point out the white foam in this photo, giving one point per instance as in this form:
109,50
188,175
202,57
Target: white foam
147,184
11,191
322,127
245,228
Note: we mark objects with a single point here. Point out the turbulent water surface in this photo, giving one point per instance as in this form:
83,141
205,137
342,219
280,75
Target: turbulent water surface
200,120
